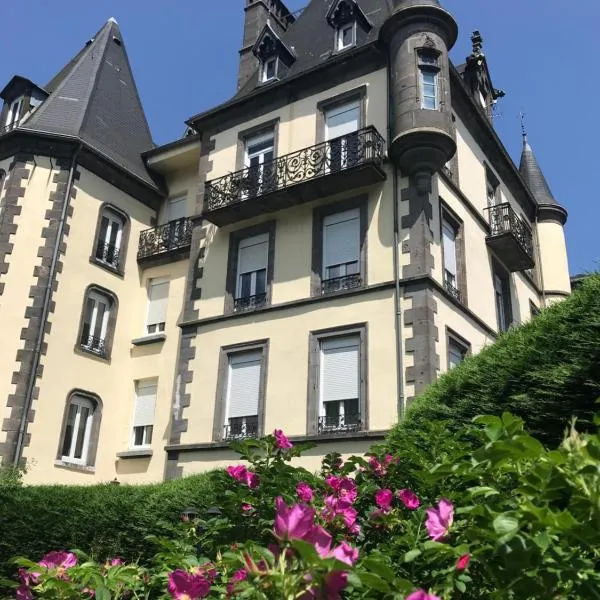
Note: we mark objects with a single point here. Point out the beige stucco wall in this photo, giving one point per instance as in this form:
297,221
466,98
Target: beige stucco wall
553,252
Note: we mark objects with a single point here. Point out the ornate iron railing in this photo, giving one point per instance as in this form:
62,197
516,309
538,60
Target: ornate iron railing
249,302
174,235
93,344
346,422
240,428
108,253
450,287
338,284
9,127
503,219
333,156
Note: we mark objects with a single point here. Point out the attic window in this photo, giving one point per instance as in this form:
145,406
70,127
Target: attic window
14,113
268,70
346,36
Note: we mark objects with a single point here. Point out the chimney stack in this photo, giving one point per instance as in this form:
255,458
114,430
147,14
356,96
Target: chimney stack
257,13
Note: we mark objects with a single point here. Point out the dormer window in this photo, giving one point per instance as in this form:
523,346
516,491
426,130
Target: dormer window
346,36
274,57
429,69
14,113
269,69
350,24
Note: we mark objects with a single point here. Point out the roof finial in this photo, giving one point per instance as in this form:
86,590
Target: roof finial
112,20
523,128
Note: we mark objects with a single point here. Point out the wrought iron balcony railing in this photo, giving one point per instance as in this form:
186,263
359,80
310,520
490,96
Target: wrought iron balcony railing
108,253
338,284
249,302
330,157
337,423
239,428
164,239
450,286
93,344
510,237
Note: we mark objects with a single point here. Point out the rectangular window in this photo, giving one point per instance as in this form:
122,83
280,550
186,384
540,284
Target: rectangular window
251,285
457,352
269,69
341,247
158,295
259,155
108,249
176,208
143,413
95,323
341,124
244,372
449,234
492,188
14,113
502,299
346,36
78,429
429,98
339,378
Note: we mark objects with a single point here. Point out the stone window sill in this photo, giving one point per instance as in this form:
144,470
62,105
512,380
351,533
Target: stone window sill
115,270
139,453
63,464
153,338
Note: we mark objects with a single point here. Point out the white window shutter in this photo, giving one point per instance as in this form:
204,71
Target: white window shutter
449,244
341,238
244,384
253,253
340,368
342,120
158,295
145,404
177,208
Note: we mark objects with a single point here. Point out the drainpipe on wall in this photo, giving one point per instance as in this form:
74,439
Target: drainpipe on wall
45,311
396,261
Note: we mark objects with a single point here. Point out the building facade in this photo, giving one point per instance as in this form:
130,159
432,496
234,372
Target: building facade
310,256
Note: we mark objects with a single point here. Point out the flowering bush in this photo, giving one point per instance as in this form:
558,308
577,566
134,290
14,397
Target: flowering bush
493,515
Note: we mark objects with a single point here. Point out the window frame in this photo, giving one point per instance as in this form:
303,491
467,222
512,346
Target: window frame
151,382
492,183
314,375
449,216
264,67
360,203
339,36
11,121
222,391
96,290
454,338
428,61
231,281
355,95
115,213
502,274
156,281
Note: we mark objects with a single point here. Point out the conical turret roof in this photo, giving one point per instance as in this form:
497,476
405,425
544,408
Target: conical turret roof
534,178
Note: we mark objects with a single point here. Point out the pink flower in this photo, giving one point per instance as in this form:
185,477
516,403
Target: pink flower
344,487
320,539
242,475
345,553
338,507
304,491
409,499
422,595
239,575
463,562
252,480
56,560
23,592
292,522
439,520
383,499
335,582
281,440
187,586
247,507
115,562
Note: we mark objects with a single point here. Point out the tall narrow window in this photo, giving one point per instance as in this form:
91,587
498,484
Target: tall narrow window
95,323
339,378
176,208
260,151
251,285
109,241
341,124
77,430
449,234
158,294
14,113
346,36
457,352
243,393
269,69
492,188
502,299
341,251
143,415
429,84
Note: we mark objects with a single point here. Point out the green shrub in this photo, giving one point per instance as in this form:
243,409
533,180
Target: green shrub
103,520
545,371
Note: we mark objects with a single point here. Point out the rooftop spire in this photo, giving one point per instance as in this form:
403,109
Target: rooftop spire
532,173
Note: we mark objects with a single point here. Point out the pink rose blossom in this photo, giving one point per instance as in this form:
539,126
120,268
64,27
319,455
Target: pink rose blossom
383,499
252,480
439,520
281,440
304,491
54,560
242,475
239,575
320,539
23,593
422,595
409,499
345,553
344,487
338,507
463,562
187,586
115,562
247,507
292,522
335,582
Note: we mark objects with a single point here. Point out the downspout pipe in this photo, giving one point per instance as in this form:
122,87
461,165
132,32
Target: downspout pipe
45,311
396,260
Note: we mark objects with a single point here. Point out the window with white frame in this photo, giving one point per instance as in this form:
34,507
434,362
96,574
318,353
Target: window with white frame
339,383
110,238
95,322
244,372
429,82
176,208
342,121
457,352
143,413
78,430
158,296
346,36
341,245
268,71
253,257
492,188
259,154
449,249
14,113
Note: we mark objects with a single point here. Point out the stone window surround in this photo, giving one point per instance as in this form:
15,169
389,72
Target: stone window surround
94,434
244,135
447,214
110,329
457,339
359,93
424,50
235,237
120,270
222,382
314,363
319,213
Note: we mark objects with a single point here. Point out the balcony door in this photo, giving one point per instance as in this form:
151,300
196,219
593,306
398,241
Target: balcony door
341,124
260,152
175,214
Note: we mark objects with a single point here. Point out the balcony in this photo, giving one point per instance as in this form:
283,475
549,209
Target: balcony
165,243
95,345
239,428
341,284
344,163
339,423
510,238
249,302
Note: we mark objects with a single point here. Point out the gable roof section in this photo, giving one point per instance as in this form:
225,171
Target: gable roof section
95,99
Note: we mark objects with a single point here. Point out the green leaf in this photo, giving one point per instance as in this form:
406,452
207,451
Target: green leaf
306,551
377,566
375,582
354,580
102,593
542,540
411,555
505,525
460,586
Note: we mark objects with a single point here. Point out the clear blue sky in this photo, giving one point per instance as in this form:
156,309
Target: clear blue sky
184,57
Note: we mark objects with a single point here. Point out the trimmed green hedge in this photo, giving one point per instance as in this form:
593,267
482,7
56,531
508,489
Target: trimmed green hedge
105,520
545,371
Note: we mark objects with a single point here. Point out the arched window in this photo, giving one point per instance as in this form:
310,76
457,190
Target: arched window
98,321
111,238
80,430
